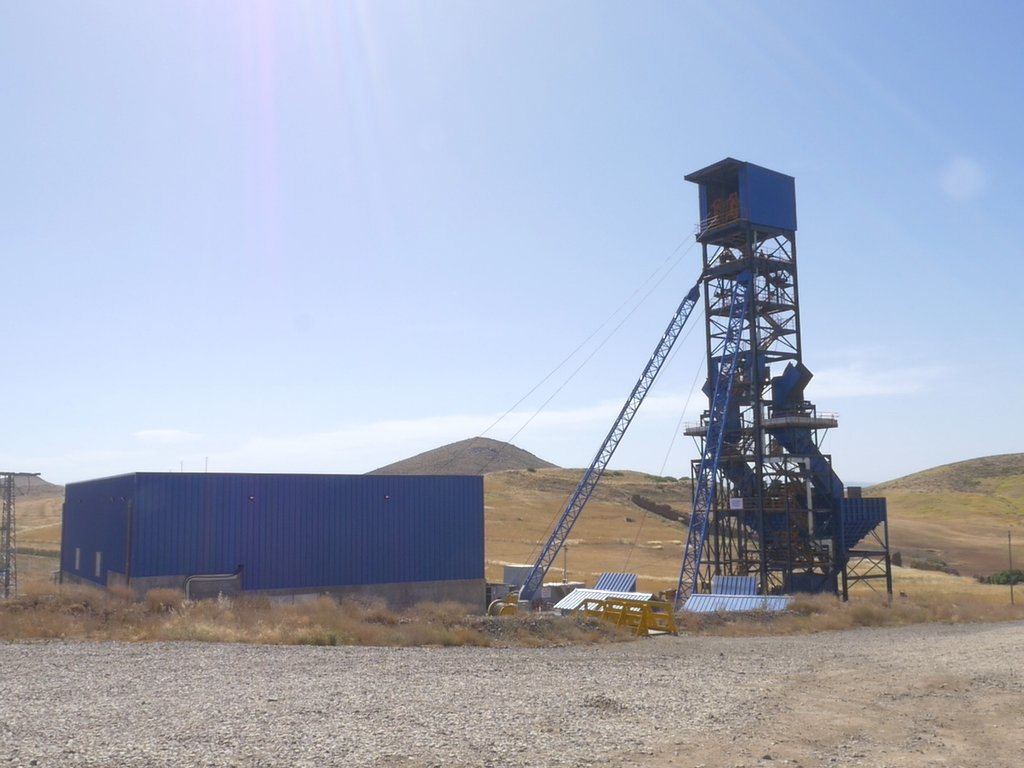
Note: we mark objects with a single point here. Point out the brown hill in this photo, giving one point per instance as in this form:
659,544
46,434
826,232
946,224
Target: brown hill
476,456
624,527
37,505
957,516
954,518
961,477
33,486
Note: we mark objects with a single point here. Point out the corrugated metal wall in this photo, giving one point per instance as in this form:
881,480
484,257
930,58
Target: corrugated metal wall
95,523
304,531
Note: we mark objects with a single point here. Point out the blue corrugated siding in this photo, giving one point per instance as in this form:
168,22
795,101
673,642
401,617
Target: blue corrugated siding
300,531
733,585
95,520
617,582
860,517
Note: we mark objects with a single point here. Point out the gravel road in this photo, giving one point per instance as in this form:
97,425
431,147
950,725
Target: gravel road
919,696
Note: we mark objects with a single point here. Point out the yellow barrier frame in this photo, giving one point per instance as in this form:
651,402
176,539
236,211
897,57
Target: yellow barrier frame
644,616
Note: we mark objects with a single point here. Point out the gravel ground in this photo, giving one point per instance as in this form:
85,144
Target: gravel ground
918,696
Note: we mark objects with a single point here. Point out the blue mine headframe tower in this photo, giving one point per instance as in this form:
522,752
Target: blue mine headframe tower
767,502
767,505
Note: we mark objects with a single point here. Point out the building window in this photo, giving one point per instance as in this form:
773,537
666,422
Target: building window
78,559
99,564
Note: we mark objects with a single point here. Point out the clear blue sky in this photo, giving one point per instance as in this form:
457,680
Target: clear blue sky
325,236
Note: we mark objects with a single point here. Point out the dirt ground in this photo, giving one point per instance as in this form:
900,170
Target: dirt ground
910,697
931,695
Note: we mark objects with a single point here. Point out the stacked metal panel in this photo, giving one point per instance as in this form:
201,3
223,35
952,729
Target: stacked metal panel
733,585
617,582
736,603
575,599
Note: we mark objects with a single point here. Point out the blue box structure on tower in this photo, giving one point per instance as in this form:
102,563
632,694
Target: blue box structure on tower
405,538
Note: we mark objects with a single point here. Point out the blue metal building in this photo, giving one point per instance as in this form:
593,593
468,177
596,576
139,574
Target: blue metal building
404,538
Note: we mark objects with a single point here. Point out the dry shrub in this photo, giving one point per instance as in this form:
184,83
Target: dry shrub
120,593
446,614
810,605
371,609
425,633
252,602
81,599
822,613
44,611
545,630
871,615
697,623
37,589
63,612
317,636
164,600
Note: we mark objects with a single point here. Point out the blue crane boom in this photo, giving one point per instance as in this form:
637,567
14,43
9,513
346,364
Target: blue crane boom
704,495
593,474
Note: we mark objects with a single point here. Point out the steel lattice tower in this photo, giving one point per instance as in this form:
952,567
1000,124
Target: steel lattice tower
8,530
779,512
8,569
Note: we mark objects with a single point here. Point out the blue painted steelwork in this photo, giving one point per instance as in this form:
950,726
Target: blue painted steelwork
617,582
604,454
704,495
768,503
860,517
287,531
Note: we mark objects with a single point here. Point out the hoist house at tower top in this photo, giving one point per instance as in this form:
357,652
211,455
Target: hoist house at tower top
776,510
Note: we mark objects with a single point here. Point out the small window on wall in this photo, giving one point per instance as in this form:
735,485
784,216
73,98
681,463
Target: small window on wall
78,558
99,564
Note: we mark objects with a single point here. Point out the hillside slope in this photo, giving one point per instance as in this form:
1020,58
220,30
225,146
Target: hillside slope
958,515
614,533
955,516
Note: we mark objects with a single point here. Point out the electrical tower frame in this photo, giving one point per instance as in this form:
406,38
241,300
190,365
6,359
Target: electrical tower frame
8,542
8,534
776,509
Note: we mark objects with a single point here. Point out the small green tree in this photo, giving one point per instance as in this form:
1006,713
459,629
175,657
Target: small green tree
1016,576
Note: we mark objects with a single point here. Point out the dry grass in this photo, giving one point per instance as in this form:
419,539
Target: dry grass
937,515
959,514
44,611
613,534
822,613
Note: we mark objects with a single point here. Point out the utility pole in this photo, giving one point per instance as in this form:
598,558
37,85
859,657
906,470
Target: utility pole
8,542
1009,550
8,573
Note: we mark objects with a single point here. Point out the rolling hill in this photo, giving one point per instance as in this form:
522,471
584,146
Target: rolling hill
476,456
614,532
955,517
37,505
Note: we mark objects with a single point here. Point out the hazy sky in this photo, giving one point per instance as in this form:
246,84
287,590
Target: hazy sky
325,236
